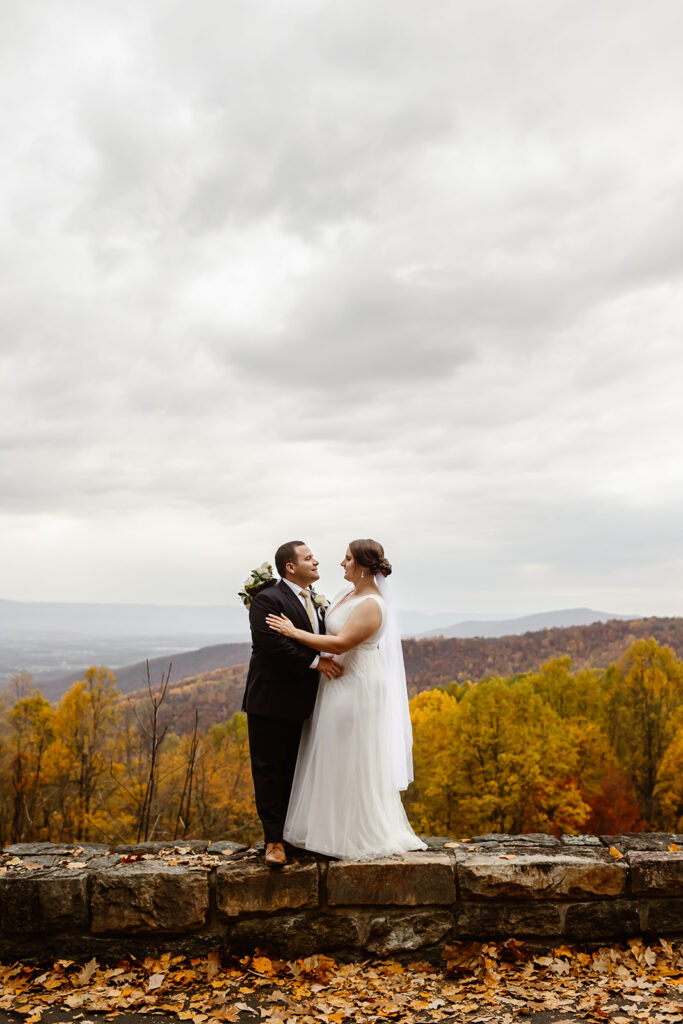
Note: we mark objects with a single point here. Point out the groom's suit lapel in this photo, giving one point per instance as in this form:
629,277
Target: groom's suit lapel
298,610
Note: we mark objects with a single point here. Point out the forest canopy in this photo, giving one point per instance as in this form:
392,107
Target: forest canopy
555,750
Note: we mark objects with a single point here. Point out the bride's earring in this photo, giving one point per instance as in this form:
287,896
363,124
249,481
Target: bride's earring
362,573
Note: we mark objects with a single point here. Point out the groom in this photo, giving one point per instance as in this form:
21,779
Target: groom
282,683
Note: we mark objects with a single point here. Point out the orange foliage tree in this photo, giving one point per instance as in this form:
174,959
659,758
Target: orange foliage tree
551,751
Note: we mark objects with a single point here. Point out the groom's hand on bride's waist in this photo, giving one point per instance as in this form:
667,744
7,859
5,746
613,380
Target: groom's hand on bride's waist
329,667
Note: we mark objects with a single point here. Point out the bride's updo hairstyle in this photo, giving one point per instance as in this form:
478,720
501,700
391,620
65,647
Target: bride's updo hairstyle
370,555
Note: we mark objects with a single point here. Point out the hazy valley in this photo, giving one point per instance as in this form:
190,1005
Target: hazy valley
56,642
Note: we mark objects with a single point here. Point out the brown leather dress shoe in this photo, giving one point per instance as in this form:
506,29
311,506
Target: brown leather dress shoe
275,855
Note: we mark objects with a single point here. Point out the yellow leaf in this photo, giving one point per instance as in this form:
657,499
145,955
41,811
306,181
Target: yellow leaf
262,964
615,853
674,847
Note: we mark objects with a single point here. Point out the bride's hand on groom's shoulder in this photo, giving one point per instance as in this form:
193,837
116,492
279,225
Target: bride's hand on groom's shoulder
281,624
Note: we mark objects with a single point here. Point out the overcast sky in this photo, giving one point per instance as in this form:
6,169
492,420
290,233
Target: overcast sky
300,269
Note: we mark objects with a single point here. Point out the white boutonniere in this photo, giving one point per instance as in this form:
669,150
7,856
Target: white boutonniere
258,579
319,600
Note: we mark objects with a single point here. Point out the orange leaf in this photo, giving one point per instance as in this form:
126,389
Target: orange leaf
262,964
615,853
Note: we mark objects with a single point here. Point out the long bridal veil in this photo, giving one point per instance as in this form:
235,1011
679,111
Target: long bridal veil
398,728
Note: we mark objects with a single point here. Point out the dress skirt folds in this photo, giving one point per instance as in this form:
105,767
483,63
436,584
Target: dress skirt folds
344,801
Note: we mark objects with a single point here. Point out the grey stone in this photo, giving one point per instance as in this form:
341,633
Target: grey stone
148,896
411,879
628,841
36,903
656,872
438,842
580,841
537,876
295,936
41,859
530,839
602,919
251,887
156,846
224,844
507,920
402,932
662,917
43,865
33,850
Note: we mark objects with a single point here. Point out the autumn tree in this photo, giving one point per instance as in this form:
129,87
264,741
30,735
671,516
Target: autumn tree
87,723
432,799
669,787
499,759
31,723
644,693
221,799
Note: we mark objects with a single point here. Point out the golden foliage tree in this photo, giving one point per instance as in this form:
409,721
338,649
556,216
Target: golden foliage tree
644,693
88,743
551,751
669,787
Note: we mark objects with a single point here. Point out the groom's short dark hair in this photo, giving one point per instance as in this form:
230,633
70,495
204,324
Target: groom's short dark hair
286,553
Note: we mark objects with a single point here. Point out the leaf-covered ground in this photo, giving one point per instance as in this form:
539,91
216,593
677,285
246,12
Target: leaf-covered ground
476,984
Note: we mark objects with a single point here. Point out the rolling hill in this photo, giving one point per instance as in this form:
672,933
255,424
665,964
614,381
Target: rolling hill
216,690
526,624
185,665
216,695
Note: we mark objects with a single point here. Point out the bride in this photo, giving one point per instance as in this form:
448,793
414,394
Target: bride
356,748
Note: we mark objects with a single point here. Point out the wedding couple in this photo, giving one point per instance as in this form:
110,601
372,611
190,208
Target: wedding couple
327,709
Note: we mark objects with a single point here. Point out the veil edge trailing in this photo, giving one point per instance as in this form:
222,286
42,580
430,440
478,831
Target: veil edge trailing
398,726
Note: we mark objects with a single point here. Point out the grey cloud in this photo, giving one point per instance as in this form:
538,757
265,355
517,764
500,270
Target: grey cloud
361,334
420,257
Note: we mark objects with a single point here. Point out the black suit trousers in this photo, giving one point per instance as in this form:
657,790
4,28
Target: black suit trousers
273,746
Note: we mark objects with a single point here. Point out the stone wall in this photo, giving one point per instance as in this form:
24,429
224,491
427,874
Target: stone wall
89,900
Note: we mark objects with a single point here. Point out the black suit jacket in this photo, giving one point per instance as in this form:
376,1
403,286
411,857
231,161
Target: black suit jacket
280,683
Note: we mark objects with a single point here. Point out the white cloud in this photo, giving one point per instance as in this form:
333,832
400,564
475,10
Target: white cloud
397,270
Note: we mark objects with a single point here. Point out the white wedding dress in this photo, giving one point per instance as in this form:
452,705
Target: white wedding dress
344,800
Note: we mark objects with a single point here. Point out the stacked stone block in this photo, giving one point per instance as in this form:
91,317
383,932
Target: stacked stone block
85,900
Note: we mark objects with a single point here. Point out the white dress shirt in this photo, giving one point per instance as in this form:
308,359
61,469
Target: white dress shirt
296,589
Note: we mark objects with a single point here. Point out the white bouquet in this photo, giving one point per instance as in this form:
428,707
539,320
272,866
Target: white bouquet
258,579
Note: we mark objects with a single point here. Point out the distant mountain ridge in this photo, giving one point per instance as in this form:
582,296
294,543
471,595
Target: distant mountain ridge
184,665
429,662
526,624
217,693
136,621
50,639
